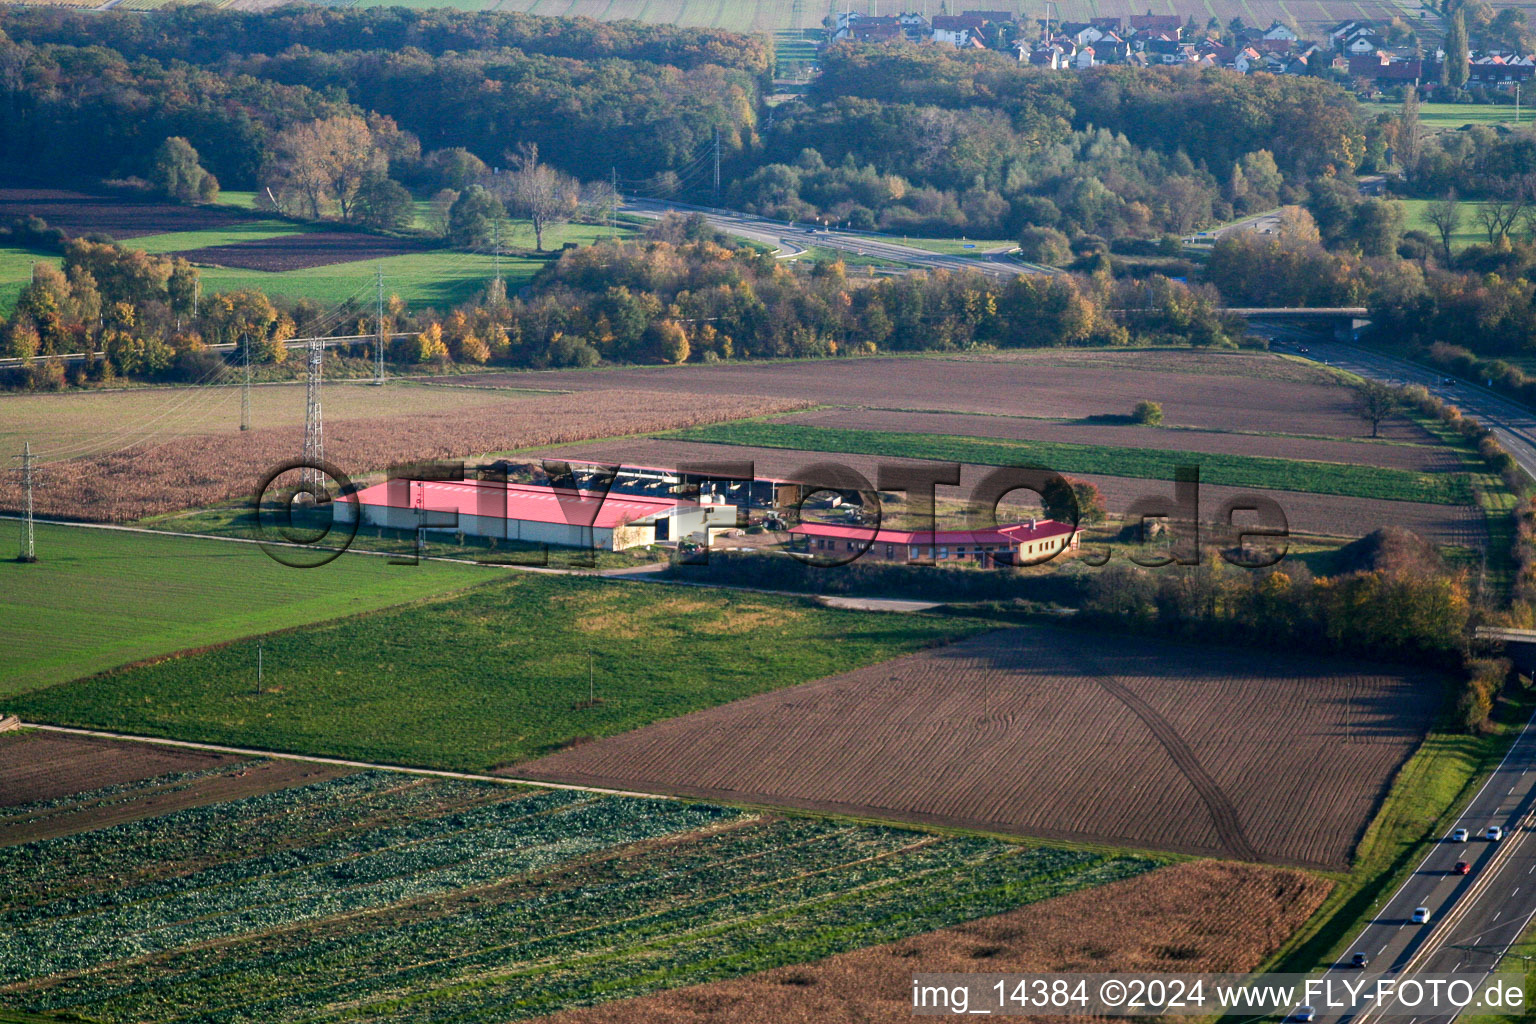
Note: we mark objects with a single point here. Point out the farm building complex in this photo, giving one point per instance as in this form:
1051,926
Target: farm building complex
533,514
1014,544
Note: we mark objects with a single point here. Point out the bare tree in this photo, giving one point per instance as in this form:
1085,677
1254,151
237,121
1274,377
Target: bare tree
1444,215
539,192
1507,200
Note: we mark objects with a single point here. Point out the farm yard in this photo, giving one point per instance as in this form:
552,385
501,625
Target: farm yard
150,594
499,674
1059,734
147,479
1319,515
1193,916
399,892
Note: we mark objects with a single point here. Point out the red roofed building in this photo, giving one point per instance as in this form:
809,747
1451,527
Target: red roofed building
1006,545
534,514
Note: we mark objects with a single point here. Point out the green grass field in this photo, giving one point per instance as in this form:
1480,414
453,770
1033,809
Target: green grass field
1468,232
491,677
1146,463
1450,116
101,598
950,246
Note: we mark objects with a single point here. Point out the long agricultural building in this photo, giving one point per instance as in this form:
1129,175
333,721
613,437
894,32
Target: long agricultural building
1013,544
534,514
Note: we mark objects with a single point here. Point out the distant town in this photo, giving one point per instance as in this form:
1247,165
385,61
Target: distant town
1367,54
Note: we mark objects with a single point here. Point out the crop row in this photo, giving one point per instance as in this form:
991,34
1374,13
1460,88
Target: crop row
374,869
195,837
733,895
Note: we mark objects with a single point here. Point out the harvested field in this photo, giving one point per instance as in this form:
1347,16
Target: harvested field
1200,916
1428,458
72,424
1322,515
77,213
1062,388
1058,734
150,479
127,781
303,251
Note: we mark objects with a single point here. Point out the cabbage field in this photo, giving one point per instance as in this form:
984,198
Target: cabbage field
383,895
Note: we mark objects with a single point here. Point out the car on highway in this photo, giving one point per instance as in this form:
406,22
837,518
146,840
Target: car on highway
1459,835
1420,915
1494,834
1359,960
1462,868
1304,1014
1448,381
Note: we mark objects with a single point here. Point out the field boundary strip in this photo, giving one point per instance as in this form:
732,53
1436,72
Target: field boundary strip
438,773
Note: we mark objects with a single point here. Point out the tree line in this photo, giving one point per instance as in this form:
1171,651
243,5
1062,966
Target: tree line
682,293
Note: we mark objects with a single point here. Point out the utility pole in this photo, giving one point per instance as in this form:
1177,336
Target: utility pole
717,165
591,682
378,326
1517,104
496,246
245,390
613,200
197,290
314,435
258,667
28,549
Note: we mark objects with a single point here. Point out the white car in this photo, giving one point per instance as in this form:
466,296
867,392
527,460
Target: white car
1420,915
1459,835
1494,834
1304,1014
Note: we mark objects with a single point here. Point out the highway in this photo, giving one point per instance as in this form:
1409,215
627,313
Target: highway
793,239
1474,918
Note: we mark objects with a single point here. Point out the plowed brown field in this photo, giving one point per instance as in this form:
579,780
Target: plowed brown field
1203,916
1058,734
1093,384
1324,515
76,213
1426,458
38,766
303,251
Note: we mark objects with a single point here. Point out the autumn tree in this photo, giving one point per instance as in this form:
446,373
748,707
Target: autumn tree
325,162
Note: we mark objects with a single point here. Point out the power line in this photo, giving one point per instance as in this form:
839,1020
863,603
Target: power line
28,548
245,392
314,437
378,324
